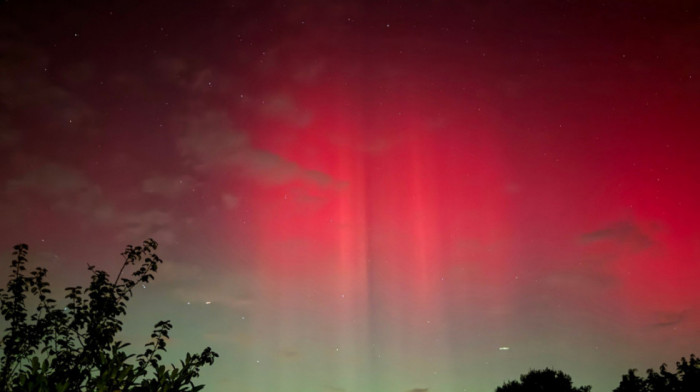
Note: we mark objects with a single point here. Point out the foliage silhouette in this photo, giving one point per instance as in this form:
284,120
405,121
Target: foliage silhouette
74,348
547,380
685,379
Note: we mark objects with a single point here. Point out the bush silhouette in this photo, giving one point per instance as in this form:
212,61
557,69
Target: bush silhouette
547,380
685,379
74,347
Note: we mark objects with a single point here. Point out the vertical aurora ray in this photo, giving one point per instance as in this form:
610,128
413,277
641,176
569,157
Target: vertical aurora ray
427,221
408,224
370,196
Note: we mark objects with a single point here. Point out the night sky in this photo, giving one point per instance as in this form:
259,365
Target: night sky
379,196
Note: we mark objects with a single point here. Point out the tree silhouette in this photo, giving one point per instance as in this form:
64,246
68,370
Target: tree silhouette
631,382
547,380
685,379
74,347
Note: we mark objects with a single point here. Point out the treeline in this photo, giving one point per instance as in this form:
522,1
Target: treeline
686,378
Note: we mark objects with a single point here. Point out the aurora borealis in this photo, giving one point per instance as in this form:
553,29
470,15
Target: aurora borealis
382,196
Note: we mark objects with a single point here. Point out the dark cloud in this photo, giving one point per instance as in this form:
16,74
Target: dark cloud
64,188
625,233
210,141
50,179
144,224
68,190
283,108
168,186
418,390
669,319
